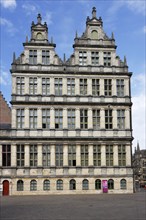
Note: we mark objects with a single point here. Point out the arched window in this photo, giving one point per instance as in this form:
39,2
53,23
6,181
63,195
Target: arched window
94,35
46,185
20,185
97,184
59,184
72,184
123,184
85,184
39,36
110,184
33,185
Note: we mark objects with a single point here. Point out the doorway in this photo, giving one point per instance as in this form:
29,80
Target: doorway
5,188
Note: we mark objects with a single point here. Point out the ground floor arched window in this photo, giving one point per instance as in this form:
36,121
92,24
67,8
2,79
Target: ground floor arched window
72,184
33,185
46,185
85,184
123,184
98,184
110,184
59,184
20,185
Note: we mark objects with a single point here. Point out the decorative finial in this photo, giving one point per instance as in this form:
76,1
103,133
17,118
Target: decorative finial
14,57
76,34
138,148
87,19
64,58
39,18
125,61
26,39
93,12
113,36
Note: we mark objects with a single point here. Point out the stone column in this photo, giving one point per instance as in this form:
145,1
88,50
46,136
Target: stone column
77,118
89,87
102,87
39,86
101,58
39,118
65,155
116,163
103,155
40,162
128,155
64,89
27,156
127,119
52,155
115,118
65,126
13,155
39,56
26,123
78,155
77,86
0,155
14,117
126,87
102,118
52,118
52,90
90,119
14,85
26,85
88,58
114,92
90,154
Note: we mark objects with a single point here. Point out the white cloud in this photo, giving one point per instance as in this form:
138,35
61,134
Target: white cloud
8,25
48,18
139,110
29,8
4,78
137,6
8,4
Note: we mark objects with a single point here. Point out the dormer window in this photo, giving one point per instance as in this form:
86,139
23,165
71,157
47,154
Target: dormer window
107,58
45,57
82,58
33,57
39,36
94,35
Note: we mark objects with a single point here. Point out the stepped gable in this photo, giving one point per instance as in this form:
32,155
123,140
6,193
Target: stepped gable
5,113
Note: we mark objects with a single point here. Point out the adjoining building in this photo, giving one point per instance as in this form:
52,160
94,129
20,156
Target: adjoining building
139,167
71,119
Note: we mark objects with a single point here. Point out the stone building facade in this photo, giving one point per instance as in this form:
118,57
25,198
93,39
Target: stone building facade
71,119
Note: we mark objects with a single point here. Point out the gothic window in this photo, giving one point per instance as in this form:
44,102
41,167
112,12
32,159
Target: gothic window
107,87
45,86
97,155
6,155
71,118
20,118
72,155
59,155
33,85
107,58
120,87
33,57
95,87
71,86
84,155
82,58
46,155
83,86
33,118
83,118
33,155
46,118
121,119
20,85
58,118
20,155
96,119
108,119
109,155
95,58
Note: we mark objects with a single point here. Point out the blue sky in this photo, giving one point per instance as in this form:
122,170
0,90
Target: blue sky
126,18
